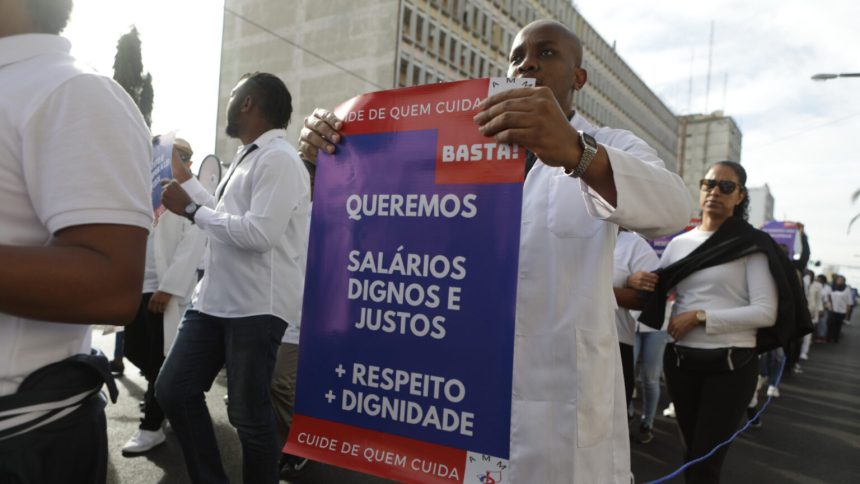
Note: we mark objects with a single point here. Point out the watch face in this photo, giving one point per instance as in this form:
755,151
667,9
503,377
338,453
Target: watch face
189,209
589,140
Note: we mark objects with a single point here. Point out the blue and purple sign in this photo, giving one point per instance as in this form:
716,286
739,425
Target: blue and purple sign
162,153
408,318
786,234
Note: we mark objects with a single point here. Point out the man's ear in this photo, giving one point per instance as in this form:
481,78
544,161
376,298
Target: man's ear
247,103
580,77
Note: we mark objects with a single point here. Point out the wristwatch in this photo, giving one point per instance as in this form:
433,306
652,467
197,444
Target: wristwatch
190,210
589,151
701,317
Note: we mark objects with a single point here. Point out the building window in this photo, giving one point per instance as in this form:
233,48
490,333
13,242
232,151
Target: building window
416,75
404,72
431,38
408,25
419,29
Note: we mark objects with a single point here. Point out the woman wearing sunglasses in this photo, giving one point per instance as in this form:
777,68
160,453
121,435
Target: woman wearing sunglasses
730,282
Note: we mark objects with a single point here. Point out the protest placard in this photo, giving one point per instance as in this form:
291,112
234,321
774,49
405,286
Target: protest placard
786,234
408,317
162,153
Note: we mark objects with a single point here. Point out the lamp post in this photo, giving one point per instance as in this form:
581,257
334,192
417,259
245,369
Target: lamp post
826,77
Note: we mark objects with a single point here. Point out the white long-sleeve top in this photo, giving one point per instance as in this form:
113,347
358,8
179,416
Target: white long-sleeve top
568,415
739,297
632,254
257,234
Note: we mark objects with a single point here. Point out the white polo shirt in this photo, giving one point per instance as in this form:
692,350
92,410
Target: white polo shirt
74,150
258,234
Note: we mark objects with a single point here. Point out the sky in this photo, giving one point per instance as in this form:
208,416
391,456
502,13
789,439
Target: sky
181,48
797,133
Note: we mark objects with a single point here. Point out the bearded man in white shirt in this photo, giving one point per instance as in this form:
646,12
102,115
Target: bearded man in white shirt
569,421
252,287
74,215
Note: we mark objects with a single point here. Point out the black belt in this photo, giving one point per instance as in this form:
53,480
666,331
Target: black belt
711,360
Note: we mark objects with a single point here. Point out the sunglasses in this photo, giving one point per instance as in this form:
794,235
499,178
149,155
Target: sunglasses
727,187
184,157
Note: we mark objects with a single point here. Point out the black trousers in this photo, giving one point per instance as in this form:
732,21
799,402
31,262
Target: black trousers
72,450
834,326
144,346
628,368
709,406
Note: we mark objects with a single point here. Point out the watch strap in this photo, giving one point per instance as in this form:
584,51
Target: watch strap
190,215
589,151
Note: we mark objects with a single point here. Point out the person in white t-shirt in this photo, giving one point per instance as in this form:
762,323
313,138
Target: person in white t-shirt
251,290
632,255
173,250
841,301
284,377
815,306
74,217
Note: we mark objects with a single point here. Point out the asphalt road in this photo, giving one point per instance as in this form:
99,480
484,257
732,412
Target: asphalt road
811,435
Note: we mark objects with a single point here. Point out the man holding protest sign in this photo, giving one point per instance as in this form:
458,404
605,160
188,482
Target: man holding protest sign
252,287
568,421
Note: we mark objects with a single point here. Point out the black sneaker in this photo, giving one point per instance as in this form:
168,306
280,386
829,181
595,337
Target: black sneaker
645,434
754,422
293,466
117,368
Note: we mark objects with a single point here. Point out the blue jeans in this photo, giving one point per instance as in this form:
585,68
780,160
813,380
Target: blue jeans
248,347
651,345
821,327
769,364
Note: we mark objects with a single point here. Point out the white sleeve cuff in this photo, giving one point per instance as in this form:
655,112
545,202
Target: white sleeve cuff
195,190
596,205
204,216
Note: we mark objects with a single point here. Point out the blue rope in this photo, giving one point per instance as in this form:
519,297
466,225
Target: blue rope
725,443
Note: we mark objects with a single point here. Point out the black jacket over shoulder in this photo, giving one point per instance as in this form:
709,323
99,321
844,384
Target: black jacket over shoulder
735,239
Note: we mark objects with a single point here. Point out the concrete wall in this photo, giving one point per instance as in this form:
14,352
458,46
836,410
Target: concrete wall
359,36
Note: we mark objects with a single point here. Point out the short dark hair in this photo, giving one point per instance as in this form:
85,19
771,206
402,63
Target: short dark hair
49,16
273,97
742,210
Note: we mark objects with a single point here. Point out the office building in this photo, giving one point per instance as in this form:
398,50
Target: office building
704,139
761,205
328,51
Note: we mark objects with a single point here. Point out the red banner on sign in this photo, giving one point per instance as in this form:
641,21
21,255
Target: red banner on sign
463,155
376,453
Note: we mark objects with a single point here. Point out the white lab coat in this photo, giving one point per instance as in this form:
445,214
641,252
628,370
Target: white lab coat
569,421
179,247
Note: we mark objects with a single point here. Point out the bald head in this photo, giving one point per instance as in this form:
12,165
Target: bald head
550,53
565,34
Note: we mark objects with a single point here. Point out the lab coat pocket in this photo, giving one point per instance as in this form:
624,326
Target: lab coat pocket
595,385
567,216
543,369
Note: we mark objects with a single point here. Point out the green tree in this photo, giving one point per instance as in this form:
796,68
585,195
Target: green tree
128,72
